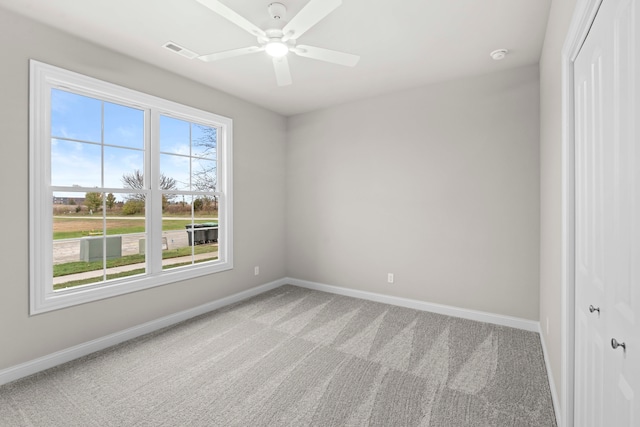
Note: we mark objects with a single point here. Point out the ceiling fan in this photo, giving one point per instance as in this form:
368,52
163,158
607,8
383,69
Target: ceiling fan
278,42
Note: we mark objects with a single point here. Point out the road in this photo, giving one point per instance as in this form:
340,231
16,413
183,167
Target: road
68,250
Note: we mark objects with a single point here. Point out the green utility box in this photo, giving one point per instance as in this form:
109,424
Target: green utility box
91,248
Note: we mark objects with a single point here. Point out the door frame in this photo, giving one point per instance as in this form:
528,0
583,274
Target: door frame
583,16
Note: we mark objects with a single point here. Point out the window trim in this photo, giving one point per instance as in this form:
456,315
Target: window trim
43,77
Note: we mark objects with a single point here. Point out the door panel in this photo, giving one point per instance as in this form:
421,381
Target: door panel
590,235
588,382
623,401
623,324
607,95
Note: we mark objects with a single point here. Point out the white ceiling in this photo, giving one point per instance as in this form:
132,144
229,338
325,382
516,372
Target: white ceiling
402,44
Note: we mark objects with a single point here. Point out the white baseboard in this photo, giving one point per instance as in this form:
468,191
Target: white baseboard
552,383
480,316
33,366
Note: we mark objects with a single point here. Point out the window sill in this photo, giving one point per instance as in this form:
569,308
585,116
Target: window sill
56,300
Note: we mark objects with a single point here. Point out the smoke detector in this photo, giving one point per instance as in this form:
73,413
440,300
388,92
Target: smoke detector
499,54
277,10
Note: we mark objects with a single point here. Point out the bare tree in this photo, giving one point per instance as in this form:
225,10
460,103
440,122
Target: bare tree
208,141
135,180
205,178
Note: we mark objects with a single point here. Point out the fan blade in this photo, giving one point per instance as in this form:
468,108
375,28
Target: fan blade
309,16
327,55
232,16
283,74
230,53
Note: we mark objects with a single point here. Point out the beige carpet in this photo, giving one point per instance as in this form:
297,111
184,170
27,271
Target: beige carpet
296,357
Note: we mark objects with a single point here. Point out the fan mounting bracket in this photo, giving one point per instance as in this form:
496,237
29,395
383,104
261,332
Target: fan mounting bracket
277,10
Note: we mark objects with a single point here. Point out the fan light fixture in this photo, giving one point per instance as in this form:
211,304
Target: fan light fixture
282,37
277,49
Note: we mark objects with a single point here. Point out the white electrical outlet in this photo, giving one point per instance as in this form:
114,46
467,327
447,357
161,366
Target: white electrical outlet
390,278
256,270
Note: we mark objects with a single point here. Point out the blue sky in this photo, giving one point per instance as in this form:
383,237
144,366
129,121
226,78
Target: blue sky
77,148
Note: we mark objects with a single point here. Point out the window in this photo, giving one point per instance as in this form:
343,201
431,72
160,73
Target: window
127,191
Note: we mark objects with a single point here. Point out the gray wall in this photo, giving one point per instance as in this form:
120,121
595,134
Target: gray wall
259,157
551,184
438,185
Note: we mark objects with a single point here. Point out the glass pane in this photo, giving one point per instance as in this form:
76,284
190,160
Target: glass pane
187,239
113,203
204,175
91,244
75,164
123,126
177,169
174,136
126,226
75,116
71,217
204,141
123,168
177,206
77,239
205,208
172,204
177,230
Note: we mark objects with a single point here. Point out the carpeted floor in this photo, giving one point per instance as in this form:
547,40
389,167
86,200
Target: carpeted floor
298,357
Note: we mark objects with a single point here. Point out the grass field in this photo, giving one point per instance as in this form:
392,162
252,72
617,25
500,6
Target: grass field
75,227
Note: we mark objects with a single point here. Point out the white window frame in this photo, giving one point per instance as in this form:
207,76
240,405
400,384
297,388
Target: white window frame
43,298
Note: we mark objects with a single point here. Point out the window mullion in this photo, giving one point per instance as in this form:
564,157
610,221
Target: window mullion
104,212
154,198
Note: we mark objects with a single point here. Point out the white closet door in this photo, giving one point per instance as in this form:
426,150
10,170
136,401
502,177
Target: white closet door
607,95
623,292
590,89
